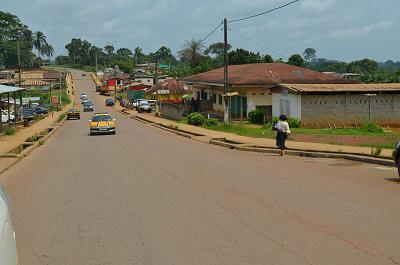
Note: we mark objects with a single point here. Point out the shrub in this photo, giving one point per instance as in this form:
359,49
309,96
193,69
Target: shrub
294,123
211,122
10,131
374,128
256,117
376,151
196,119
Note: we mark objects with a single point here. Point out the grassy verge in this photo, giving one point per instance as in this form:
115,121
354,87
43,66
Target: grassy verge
365,136
61,117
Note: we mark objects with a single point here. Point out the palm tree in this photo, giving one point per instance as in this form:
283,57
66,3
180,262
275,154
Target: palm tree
48,50
109,49
39,41
192,51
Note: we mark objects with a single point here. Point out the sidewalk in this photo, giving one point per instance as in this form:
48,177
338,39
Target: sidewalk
259,142
8,143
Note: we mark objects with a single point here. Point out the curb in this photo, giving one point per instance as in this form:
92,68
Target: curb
304,153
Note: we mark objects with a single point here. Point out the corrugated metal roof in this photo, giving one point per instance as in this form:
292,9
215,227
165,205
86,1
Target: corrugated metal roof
331,88
8,89
35,83
173,86
266,74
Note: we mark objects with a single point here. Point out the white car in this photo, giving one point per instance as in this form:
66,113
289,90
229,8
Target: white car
4,116
8,247
144,106
83,95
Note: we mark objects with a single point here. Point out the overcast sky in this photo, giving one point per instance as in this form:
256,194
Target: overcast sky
337,29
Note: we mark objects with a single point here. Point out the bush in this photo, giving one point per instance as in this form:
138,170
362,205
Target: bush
10,131
374,128
196,119
211,122
294,123
256,117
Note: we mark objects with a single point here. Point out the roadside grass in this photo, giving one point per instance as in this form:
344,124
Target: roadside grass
375,138
61,117
10,131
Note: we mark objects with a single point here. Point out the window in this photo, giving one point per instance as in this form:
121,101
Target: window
214,98
220,99
285,107
262,94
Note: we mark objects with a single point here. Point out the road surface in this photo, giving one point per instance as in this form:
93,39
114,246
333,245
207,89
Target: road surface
145,196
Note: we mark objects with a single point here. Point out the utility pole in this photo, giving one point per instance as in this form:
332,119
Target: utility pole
19,59
60,88
115,84
226,88
96,62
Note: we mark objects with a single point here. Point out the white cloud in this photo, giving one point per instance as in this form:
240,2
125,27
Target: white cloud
316,5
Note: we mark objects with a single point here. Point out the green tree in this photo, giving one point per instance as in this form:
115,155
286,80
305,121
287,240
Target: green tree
296,60
39,42
217,49
109,49
242,56
124,53
363,66
267,59
191,52
139,56
310,55
79,51
164,55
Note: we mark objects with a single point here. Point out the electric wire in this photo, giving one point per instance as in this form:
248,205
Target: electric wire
263,13
258,44
212,32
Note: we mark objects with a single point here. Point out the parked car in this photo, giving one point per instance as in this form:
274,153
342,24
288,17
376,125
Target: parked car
85,101
144,106
102,123
4,116
8,246
136,103
41,110
87,106
83,74
396,157
73,114
28,114
83,95
110,102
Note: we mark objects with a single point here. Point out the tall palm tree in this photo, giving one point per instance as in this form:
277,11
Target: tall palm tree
39,41
48,50
109,49
192,51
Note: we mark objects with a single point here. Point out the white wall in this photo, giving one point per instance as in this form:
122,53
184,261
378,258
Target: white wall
257,97
145,81
295,105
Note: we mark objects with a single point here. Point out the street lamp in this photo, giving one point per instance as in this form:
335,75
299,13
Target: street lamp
369,105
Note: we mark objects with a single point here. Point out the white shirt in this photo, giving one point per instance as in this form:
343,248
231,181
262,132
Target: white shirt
283,126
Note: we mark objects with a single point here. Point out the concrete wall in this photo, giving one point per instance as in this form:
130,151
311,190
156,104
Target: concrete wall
279,108
258,97
350,109
172,111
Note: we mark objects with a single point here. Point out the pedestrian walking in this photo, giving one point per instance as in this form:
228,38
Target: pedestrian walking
283,130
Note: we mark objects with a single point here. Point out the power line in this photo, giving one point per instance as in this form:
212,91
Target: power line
212,32
258,44
263,13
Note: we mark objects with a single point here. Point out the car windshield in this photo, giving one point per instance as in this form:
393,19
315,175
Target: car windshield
101,118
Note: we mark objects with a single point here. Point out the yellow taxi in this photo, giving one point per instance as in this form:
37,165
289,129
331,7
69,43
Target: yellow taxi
102,123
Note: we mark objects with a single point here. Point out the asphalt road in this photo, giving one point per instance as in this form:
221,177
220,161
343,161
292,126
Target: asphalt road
145,196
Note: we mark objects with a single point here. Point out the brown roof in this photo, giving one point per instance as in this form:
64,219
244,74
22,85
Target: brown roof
173,86
51,75
330,88
266,74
